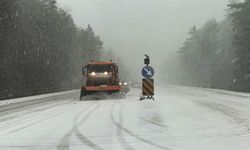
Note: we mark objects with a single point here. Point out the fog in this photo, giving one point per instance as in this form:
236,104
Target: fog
133,28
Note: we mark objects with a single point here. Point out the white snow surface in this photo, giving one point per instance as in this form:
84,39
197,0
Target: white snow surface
181,118
30,98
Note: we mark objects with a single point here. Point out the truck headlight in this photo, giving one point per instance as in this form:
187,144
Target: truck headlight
120,83
125,83
93,74
106,73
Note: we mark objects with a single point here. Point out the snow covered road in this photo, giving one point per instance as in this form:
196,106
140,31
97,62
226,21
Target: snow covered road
181,118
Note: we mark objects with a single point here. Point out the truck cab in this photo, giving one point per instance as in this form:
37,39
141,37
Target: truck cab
100,77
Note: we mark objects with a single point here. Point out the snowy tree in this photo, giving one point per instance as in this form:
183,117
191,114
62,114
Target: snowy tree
40,46
241,23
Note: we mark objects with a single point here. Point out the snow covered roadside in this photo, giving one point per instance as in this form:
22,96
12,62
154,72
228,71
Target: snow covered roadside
30,98
14,112
218,91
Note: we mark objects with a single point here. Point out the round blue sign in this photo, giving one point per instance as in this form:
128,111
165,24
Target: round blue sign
147,72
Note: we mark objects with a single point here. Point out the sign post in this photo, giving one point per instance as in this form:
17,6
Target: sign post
147,81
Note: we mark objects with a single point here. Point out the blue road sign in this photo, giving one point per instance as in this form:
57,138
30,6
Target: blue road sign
148,72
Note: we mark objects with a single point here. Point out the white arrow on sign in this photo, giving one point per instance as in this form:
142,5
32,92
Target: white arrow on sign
148,72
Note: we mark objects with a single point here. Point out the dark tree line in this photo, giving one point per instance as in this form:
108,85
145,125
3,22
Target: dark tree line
241,44
41,47
218,54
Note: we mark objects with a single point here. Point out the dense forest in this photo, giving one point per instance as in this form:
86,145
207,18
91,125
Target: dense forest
41,49
218,54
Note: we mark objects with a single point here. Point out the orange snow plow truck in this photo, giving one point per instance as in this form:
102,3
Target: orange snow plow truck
100,77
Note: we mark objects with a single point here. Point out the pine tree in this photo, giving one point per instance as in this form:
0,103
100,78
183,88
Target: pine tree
41,47
241,24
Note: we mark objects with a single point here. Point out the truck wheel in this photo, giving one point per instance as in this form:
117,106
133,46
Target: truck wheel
83,93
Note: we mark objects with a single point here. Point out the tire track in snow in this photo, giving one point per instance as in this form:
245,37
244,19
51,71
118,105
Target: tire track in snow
80,136
229,111
153,122
36,122
146,141
64,143
23,105
35,110
120,135
223,109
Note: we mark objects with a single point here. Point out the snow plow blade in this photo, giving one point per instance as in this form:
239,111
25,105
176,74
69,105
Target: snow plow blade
103,88
101,92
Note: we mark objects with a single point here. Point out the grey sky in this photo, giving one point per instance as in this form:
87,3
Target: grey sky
134,27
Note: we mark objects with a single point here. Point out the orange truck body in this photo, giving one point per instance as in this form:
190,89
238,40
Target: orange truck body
100,77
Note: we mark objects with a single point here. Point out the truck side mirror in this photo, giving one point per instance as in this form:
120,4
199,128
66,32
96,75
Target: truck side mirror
83,71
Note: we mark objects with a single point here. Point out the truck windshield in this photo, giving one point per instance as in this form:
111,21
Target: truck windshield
99,68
